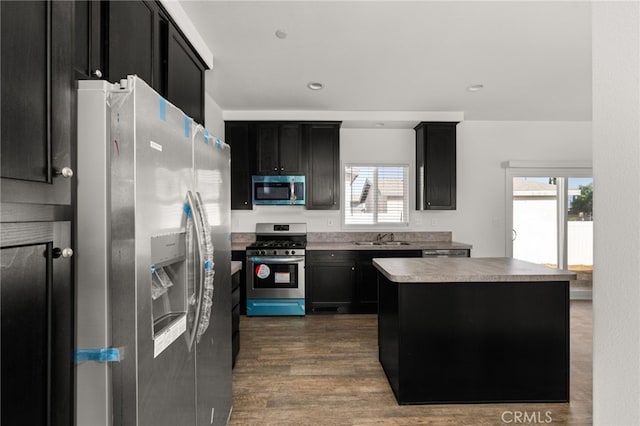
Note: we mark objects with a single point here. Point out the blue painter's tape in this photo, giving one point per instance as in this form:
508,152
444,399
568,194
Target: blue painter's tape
187,126
100,355
206,136
153,268
187,209
208,265
218,143
163,109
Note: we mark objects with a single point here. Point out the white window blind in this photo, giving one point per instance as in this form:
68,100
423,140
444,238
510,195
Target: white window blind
376,195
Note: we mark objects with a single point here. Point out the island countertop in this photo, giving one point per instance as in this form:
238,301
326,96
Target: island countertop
469,269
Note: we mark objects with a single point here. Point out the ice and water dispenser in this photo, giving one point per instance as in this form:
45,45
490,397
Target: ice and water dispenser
169,289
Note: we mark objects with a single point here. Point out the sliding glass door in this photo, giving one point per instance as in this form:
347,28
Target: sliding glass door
551,220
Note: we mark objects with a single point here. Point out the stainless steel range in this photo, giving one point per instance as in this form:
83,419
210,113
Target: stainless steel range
275,270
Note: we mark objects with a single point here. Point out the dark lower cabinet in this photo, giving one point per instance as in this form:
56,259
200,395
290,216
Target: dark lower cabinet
240,256
367,277
36,319
475,342
330,279
235,316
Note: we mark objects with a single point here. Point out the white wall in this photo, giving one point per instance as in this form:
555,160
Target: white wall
213,116
482,147
616,207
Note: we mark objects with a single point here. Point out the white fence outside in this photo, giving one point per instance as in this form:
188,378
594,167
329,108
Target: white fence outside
534,223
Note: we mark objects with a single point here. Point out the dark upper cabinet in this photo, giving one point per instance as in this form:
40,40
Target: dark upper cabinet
117,38
37,94
88,60
436,166
184,76
279,149
241,137
322,142
133,47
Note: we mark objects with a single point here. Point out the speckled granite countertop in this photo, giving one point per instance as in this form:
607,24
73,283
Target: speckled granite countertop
236,266
347,241
411,245
474,269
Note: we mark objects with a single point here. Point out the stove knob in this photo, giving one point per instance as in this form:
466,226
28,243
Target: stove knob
293,252
275,252
263,252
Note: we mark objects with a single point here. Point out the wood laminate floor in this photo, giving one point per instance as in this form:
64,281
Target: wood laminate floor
324,370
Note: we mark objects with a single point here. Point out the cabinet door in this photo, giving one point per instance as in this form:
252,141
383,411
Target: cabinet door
323,178
185,77
240,255
367,277
36,318
331,280
290,149
239,137
36,92
88,40
267,149
131,49
436,158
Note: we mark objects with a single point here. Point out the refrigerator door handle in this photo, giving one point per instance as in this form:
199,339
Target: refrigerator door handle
198,231
205,301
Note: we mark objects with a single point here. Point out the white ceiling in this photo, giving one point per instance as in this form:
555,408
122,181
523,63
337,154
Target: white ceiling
395,57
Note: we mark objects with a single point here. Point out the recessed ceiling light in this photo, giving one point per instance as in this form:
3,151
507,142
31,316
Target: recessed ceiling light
281,34
314,85
475,87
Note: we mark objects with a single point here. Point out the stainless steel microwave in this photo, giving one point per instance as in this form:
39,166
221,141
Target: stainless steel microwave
278,190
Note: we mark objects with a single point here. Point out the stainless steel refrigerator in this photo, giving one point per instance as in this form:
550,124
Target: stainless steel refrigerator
153,262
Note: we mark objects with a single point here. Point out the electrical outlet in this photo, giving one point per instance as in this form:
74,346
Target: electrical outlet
329,222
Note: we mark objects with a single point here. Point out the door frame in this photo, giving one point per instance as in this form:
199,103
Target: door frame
542,169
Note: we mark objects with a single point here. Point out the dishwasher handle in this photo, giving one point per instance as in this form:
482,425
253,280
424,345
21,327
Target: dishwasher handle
445,253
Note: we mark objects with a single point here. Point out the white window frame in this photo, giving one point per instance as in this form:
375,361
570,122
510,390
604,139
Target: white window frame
543,169
375,226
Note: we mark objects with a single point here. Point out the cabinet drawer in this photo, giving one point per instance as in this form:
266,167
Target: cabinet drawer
235,280
235,345
235,319
330,256
235,297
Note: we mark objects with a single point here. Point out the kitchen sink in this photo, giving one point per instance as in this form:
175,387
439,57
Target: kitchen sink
381,243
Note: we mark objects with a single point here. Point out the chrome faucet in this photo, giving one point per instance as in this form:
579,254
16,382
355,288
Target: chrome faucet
381,237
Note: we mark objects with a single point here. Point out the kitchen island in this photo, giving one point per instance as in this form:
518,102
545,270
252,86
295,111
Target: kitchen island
473,330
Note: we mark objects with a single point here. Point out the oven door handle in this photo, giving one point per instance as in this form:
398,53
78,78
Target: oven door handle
276,259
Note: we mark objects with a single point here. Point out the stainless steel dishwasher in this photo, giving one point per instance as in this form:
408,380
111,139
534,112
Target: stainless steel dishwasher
445,253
